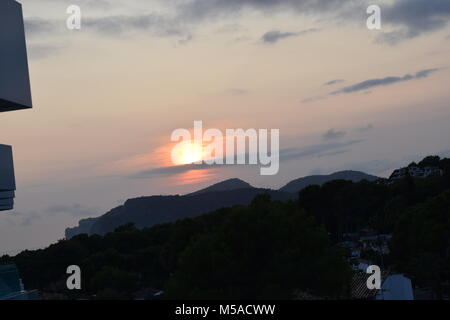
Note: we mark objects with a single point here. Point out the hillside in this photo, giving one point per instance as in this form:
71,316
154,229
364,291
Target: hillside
152,210
299,184
149,211
230,184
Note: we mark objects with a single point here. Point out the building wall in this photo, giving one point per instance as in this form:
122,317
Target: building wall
14,78
7,179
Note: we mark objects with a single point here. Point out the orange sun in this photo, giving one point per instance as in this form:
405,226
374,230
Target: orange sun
187,152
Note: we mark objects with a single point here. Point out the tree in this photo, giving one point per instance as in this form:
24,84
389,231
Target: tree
260,252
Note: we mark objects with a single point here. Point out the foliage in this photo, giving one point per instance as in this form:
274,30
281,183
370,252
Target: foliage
266,250
269,249
421,243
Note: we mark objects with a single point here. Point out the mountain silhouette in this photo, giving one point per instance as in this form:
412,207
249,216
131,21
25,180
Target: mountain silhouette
149,211
230,184
301,183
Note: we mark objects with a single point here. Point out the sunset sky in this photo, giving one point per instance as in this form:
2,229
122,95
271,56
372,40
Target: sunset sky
107,97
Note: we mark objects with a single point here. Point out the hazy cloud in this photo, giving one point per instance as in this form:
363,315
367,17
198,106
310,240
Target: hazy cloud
234,27
37,29
41,51
410,18
28,218
333,153
195,10
94,4
237,92
117,25
37,26
185,40
375,167
287,154
414,18
23,219
76,210
365,128
172,170
315,150
333,134
380,166
88,4
308,100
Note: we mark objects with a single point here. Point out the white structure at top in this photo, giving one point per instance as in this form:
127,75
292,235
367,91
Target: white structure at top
396,287
7,181
15,93
415,171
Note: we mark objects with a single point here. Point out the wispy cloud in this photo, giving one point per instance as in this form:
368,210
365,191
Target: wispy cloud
274,36
366,85
386,81
333,82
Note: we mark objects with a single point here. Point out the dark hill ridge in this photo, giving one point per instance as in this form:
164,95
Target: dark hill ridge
299,184
149,211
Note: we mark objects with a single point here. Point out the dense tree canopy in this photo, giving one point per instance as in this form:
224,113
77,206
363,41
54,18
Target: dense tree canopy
269,249
266,250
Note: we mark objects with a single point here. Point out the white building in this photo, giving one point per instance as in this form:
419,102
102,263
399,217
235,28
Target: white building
416,172
15,93
7,181
11,286
396,287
